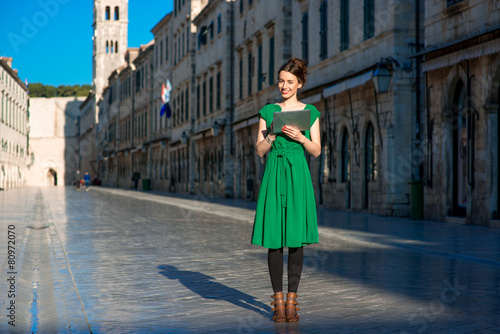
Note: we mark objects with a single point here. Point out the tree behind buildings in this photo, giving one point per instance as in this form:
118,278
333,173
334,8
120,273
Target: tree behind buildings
41,90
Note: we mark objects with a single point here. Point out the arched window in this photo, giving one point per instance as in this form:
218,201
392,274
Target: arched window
107,47
346,165
116,47
112,47
117,13
108,13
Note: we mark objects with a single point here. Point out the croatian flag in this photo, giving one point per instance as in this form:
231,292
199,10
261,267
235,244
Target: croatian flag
165,99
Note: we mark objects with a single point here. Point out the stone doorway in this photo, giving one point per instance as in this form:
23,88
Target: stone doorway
51,177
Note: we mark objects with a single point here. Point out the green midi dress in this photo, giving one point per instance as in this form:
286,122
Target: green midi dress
286,207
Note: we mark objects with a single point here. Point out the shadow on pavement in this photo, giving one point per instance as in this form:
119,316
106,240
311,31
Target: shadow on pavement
204,286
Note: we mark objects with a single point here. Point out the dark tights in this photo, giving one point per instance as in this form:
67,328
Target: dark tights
275,262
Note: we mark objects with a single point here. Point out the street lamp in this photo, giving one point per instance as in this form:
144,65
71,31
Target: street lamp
184,137
215,129
381,78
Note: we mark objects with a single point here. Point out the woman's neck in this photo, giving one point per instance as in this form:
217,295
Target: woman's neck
290,103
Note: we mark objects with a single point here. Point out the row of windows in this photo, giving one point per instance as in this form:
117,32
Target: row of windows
260,76
141,78
181,47
126,88
208,95
12,84
180,105
10,147
181,42
242,5
177,6
107,14
125,133
141,125
368,27
207,32
12,115
111,47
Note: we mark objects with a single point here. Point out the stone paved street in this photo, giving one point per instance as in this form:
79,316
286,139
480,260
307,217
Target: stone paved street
115,261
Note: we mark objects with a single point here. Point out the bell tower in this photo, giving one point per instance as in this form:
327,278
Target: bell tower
109,39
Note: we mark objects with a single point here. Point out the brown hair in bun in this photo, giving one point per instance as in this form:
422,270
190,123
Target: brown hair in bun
297,67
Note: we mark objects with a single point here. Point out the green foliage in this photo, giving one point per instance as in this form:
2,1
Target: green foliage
40,90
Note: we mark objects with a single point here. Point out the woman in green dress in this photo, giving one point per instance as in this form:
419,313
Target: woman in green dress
286,207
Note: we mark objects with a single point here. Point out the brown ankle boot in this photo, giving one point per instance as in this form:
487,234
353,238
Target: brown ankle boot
279,307
291,309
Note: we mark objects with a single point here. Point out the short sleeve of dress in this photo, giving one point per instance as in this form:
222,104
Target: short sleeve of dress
263,113
315,114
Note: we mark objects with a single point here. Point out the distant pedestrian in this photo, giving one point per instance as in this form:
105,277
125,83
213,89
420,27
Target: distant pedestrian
135,177
286,207
86,178
76,183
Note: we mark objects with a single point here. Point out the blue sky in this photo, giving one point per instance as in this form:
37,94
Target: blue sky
51,40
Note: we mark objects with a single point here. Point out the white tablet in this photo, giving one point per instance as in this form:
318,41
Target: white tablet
301,119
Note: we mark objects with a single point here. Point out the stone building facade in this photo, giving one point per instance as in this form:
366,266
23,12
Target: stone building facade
461,63
15,153
222,59
376,72
54,137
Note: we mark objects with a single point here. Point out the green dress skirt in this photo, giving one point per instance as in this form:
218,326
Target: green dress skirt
286,207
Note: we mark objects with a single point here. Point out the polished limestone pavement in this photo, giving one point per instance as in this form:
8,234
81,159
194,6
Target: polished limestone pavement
117,261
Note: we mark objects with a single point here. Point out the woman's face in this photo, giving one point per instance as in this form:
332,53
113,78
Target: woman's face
288,84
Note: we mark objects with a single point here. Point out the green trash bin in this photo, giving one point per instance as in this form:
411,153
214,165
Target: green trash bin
417,200
146,184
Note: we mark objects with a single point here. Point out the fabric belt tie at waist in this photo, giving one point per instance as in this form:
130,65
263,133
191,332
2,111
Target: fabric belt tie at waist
284,169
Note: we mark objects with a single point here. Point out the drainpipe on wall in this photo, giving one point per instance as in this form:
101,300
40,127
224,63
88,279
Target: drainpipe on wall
232,76
418,173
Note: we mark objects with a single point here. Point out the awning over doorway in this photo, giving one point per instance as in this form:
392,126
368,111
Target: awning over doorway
450,59
347,84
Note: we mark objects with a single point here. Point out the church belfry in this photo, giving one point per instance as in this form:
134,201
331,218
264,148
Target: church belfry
109,39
